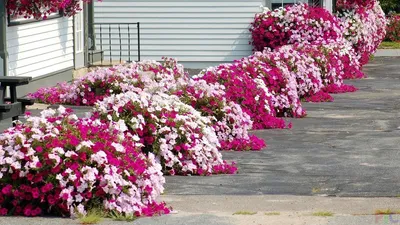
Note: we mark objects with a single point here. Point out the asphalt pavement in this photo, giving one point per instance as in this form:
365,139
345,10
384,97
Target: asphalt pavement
342,158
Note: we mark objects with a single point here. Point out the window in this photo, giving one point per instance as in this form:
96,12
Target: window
281,3
14,20
315,3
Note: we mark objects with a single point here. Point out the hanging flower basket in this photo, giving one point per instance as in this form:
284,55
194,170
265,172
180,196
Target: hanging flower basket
40,9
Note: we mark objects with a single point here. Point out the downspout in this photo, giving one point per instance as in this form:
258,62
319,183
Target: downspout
328,5
268,4
86,34
334,8
3,39
91,30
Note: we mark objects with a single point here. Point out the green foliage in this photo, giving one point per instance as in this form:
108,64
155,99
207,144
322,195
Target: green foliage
386,212
93,216
122,216
390,45
390,6
272,213
323,214
245,213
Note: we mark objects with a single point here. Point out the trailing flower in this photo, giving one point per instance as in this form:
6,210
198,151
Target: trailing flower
331,59
59,164
365,27
350,4
251,94
302,67
89,89
180,137
362,23
277,81
229,121
294,24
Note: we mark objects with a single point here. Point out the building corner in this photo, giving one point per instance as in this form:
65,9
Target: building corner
3,39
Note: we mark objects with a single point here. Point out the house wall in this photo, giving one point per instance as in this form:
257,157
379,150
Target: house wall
198,33
41,48
328,4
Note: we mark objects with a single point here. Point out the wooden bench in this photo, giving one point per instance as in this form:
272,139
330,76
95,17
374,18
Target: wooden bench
13,107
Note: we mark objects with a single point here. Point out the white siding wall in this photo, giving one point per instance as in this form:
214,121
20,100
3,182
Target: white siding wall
328,4
197,32
40,48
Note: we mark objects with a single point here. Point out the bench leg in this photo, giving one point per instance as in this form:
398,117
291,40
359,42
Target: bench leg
14,120
13,96
2,94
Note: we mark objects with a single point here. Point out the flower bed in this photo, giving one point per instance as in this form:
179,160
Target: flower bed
151,118
59,164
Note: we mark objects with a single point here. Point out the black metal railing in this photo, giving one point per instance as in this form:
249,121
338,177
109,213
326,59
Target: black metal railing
282,3
117,41
315,3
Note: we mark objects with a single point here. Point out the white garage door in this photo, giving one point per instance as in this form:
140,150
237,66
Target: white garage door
199,33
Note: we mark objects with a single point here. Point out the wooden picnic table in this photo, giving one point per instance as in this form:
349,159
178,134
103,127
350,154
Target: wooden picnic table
13,107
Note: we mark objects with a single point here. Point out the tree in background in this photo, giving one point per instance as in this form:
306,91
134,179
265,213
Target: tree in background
390,6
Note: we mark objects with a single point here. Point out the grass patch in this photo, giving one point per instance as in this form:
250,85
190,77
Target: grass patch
390,45
272,213
316,190
245,213
371,57
386,212
323,214
122,217
93,216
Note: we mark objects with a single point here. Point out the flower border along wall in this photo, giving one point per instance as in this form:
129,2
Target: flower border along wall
151,118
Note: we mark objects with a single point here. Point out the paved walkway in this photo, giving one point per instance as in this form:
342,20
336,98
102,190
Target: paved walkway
348,148
387,53
264,210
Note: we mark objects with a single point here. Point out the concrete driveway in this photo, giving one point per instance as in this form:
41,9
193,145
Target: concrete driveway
349,147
